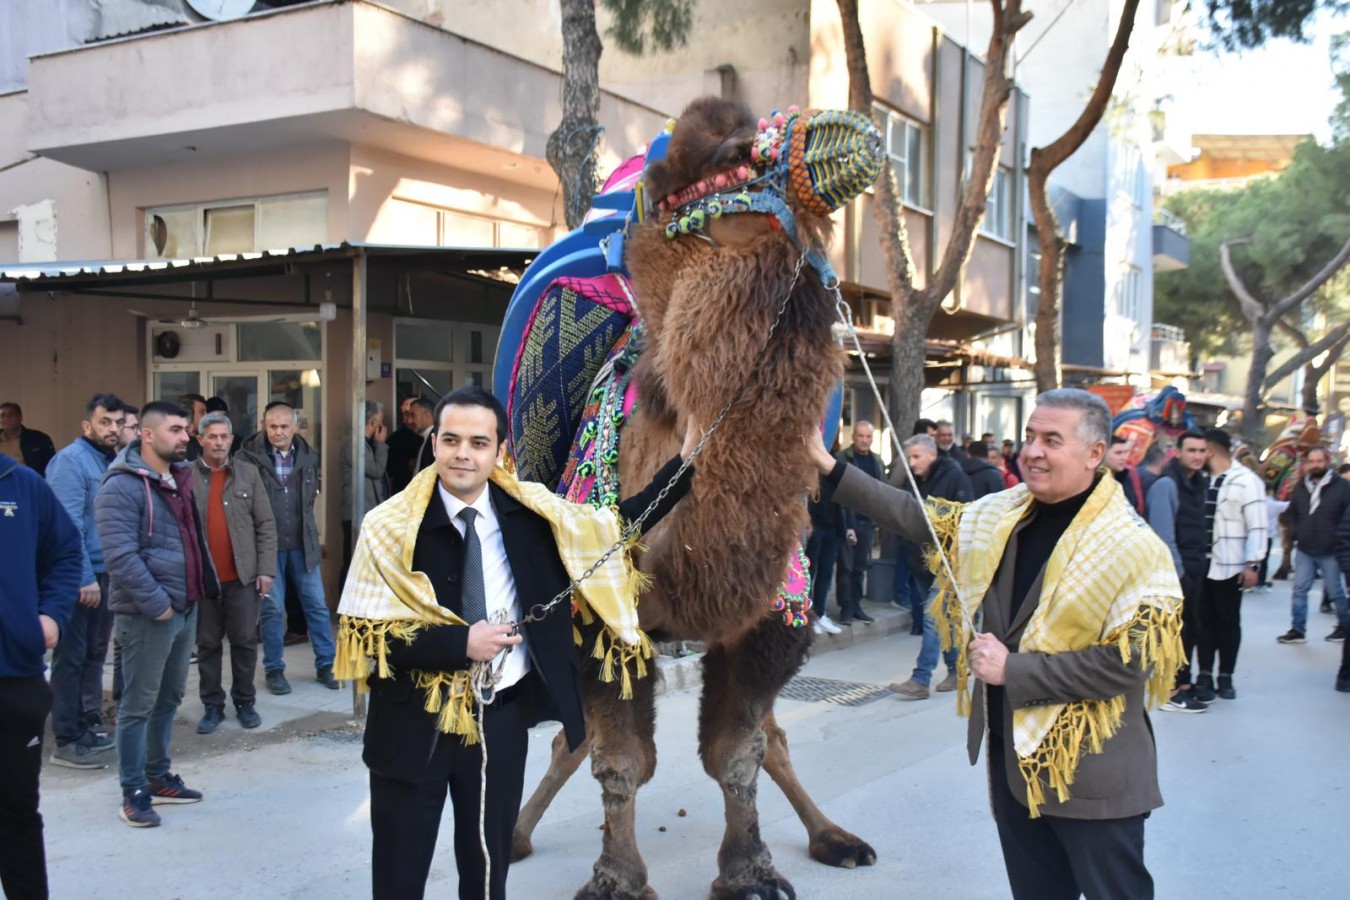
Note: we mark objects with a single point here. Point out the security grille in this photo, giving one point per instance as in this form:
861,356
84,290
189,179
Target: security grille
842,693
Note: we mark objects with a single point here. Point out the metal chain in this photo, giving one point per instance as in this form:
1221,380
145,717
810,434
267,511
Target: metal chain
846,317
540,610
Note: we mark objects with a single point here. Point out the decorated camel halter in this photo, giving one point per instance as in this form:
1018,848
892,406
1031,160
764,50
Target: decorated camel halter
815,160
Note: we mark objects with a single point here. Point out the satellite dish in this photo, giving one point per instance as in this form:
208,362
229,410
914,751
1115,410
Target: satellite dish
222,10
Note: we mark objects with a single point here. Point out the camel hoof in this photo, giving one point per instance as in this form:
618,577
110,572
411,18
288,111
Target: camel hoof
521,847
597,891
770,886
837,847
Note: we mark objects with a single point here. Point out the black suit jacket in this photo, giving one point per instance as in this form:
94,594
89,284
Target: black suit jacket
400,733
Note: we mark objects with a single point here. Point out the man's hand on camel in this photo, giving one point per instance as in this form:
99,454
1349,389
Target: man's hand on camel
487,640
815,442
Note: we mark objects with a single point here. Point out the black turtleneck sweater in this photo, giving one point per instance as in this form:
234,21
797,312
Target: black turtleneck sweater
1035,543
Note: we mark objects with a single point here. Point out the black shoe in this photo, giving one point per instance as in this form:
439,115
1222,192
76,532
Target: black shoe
1226,687
325,678
277,683
248,716
1338,635
1343,684
1184,702
864,618
1292,636
1203,690
211,719
845,622
1326,607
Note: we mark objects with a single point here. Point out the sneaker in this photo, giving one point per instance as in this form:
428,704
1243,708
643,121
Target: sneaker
277,683
1184,702
248,716
827,625
946,684
1226,687
1338,635
864,618
96,741
136,810
170,789
1204,689
911,690
1343,684
76,755
816,629
211,720
1292,636
325,678
846,622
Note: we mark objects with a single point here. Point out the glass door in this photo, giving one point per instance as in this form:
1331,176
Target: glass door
240,393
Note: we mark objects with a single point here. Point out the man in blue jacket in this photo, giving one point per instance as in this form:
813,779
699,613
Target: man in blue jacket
75,475
154,545
40,560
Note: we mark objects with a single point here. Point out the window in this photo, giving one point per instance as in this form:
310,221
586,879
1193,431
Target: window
997,220
905,146
1127,294
237,226
433,357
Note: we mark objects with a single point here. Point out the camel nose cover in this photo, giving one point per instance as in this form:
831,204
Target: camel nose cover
833,156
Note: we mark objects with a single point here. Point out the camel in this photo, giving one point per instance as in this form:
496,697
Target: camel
718,559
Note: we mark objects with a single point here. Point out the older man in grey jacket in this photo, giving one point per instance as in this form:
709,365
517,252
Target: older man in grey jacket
241,534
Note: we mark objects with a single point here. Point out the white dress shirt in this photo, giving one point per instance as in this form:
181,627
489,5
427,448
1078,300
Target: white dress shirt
498,581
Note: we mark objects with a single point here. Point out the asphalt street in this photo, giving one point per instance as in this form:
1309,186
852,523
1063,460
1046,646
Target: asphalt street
1255,790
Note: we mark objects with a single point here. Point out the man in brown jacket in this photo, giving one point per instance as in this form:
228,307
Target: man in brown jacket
242,537
1070,820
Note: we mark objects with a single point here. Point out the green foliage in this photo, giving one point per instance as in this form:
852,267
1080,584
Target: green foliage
1244,24
640,25
1296,221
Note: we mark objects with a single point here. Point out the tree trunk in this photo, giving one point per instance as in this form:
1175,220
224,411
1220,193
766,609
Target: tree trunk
572,147
1045,160
911,308
1262,352
1314,372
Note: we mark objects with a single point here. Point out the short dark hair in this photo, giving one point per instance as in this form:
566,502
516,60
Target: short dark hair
110,402
131,410
191,398
1119,439
979,449
1318,449
1343,468
922,426
161,409
8,404
1154,454
1188,436
276,404
430,407
1217,437
216,404
472,395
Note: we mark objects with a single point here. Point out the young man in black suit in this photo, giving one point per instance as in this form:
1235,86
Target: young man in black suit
507,564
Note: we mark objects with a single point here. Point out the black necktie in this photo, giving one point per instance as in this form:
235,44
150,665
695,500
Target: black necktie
473,598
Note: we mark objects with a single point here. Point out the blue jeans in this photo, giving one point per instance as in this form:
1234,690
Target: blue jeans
155,658
905,590
69,661
928,652
97,658
1306,568
821,548
311,601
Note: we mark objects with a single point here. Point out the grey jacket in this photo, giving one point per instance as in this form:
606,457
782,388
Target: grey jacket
1120,781
142,546
305,479
376,481
248,516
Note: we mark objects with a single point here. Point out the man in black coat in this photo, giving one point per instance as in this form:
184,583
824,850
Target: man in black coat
984,477
1319,502
26,446
507,564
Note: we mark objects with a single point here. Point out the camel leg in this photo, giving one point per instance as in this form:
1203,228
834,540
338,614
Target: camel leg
561,767
828,843
623,758
739,687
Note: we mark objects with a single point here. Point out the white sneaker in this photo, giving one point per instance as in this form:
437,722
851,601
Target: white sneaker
827,626
815,627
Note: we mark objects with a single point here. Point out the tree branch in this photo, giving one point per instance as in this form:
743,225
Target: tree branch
1328,341
1291,331
1252,308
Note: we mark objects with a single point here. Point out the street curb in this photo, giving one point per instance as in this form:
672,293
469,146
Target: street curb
681,673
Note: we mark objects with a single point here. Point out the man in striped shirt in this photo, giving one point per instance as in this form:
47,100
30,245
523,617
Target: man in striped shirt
1235,523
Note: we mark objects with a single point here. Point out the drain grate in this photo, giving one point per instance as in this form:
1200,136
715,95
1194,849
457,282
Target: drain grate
843,693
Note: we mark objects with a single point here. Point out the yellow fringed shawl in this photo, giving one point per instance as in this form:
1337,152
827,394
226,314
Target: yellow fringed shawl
384,599
1109,582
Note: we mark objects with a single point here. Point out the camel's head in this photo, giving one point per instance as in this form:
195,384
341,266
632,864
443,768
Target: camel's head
793,168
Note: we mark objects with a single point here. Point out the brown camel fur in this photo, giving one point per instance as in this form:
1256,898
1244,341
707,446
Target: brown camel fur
717,561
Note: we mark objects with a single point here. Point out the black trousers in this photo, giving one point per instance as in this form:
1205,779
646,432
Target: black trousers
405,817
1191,587
1220,625
24,705
233,616
854,562
1054,858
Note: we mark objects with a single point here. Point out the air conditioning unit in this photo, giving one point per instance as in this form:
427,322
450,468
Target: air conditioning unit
175,344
